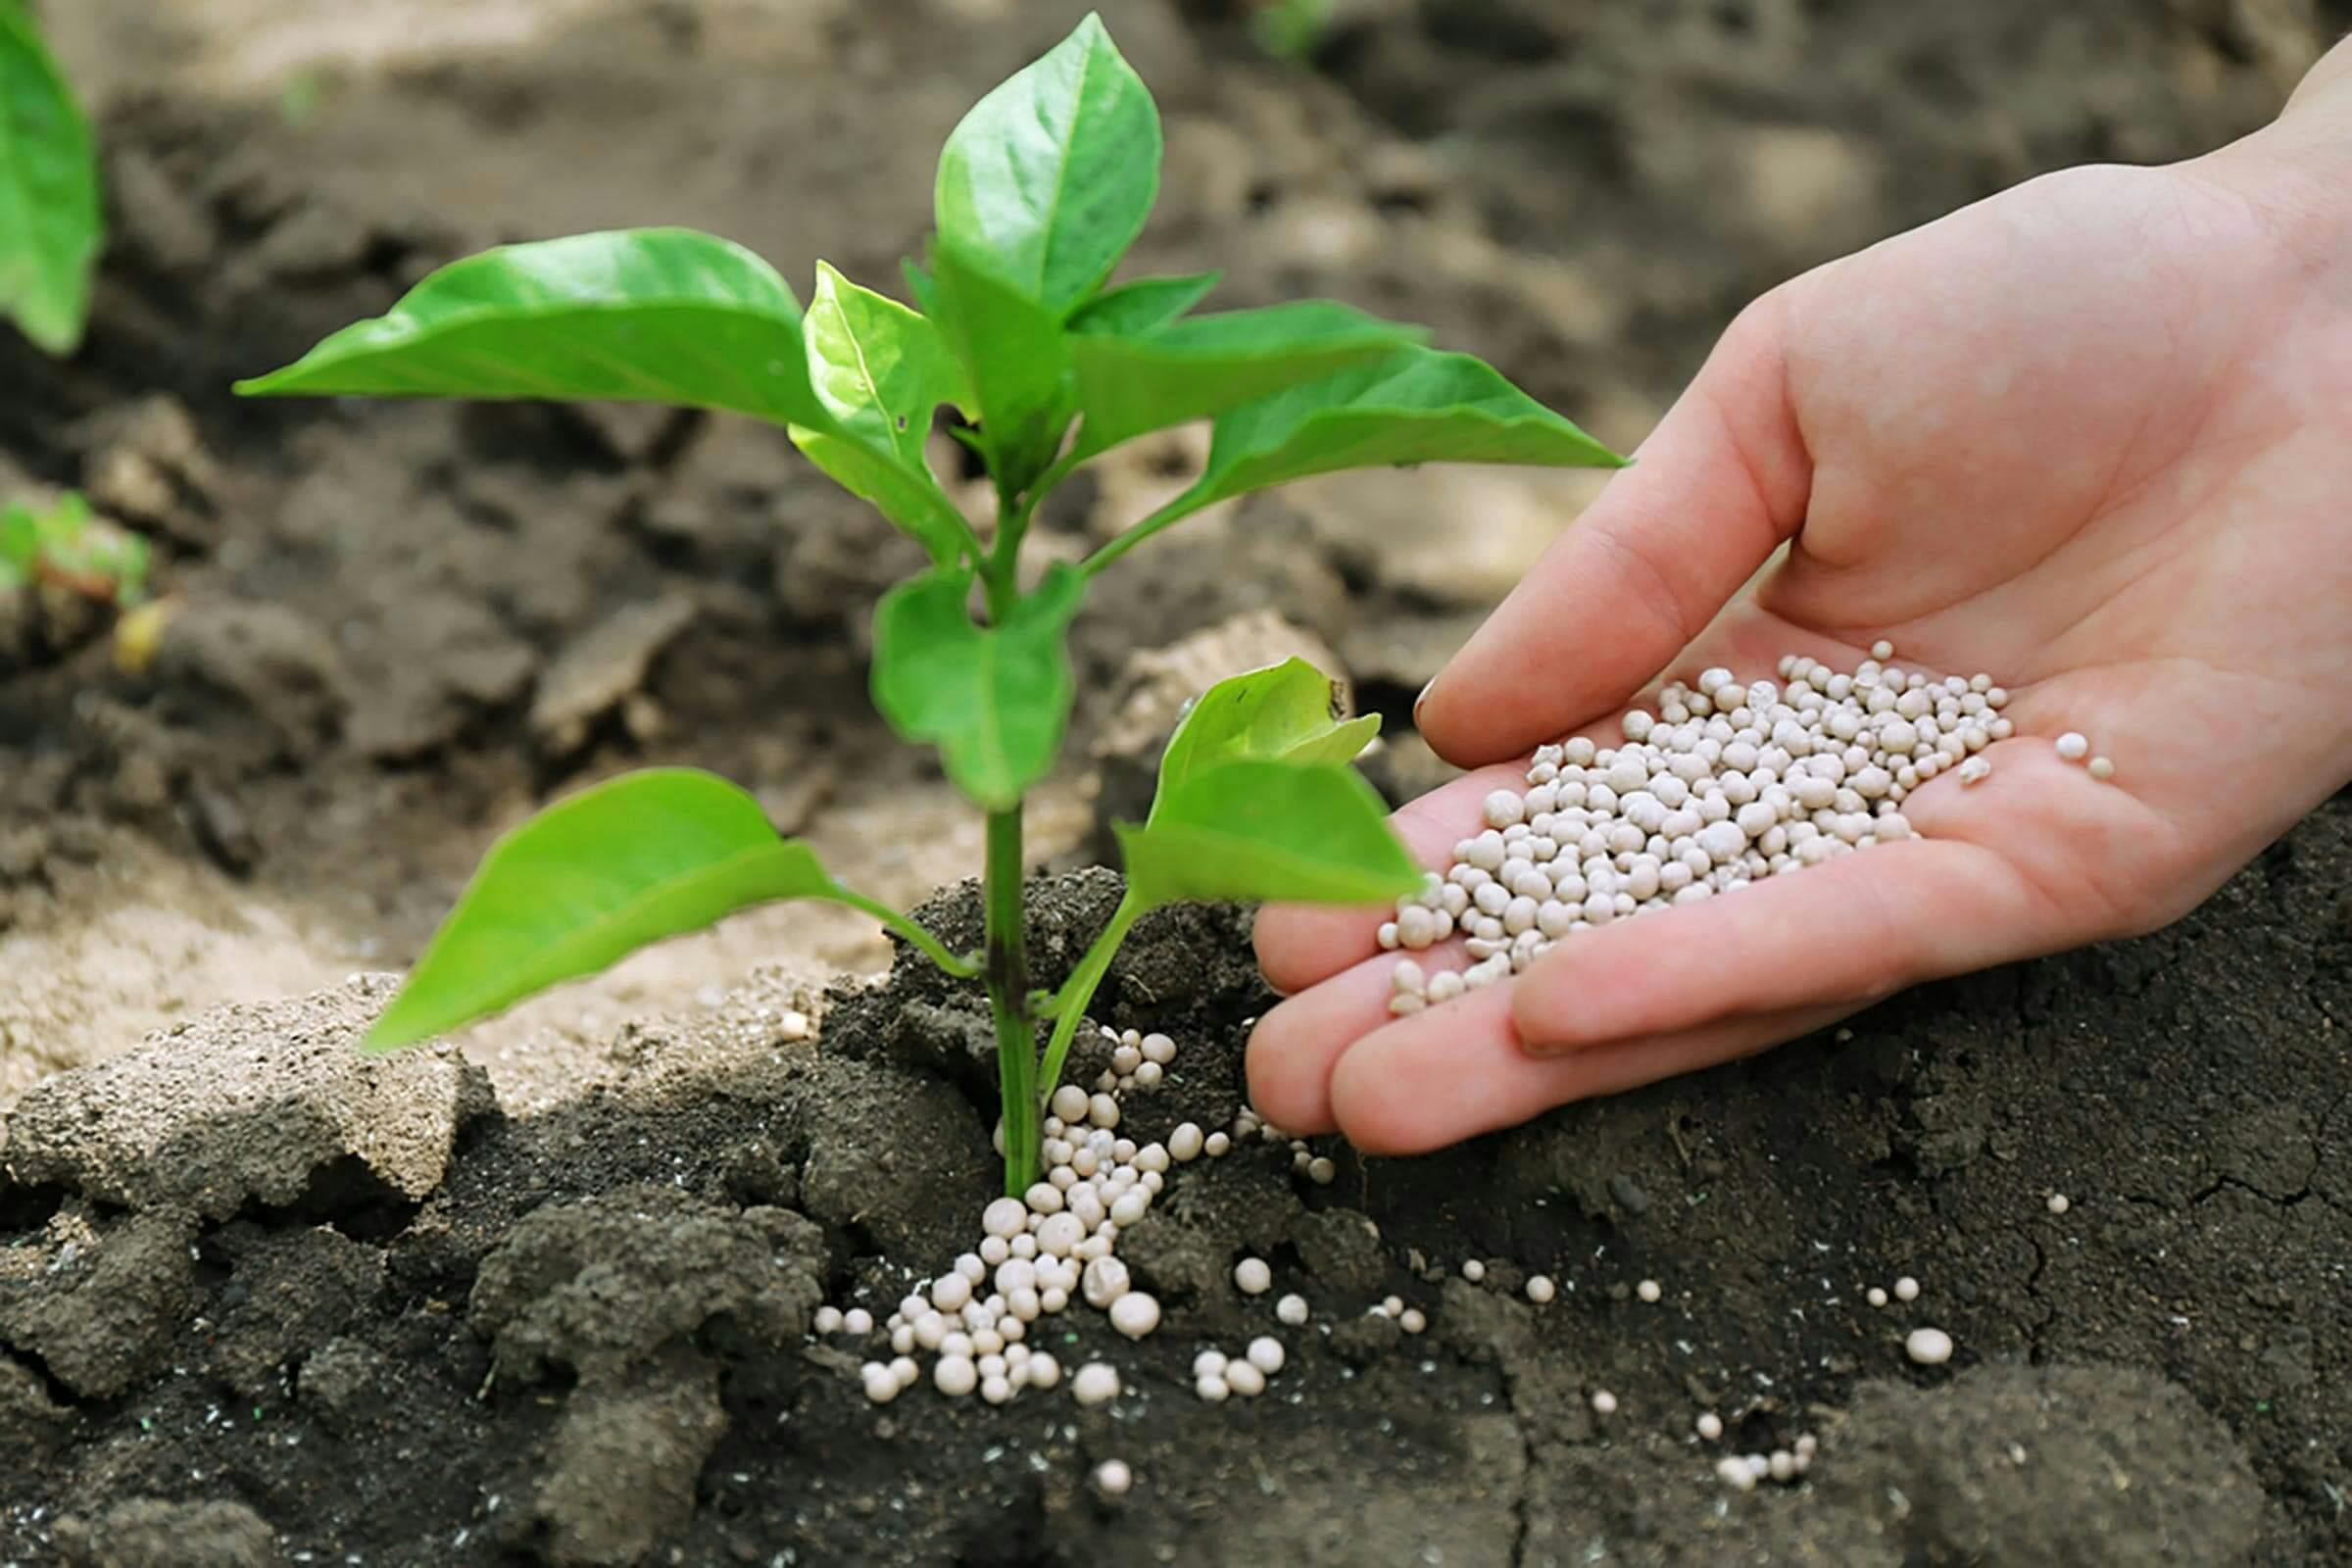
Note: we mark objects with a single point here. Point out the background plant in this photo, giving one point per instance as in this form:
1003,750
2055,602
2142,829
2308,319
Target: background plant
1041,190
64,548
49,217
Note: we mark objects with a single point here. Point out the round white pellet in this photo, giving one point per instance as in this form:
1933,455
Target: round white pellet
2101,768
881,1382
1103,1282
1783,1465
2074,746
955,1376
904,1369
1252,1275
1214,1390
949,1292
1069,1104
1505,809
1103,1111
1041,1370
858,1320
1183,1144
1473,1270
1112,1478
1875,1296
828,1320
1160,1048
1134,1314
1265,1353
1929,1347
1094,1383
1540,1289
1710,1424
1130,1206
1216,1144
1734,1473
1906,1289
1245,1380
2060,1202
1290,1309
1603,1402
1976,770
1412,1320
1649,1290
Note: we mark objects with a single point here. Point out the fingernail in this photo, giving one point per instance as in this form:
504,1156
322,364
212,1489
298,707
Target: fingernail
1423,698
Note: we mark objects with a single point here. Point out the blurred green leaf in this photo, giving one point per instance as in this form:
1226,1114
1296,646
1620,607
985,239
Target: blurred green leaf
590,879
50,222
1143,306
1204,364
633,315
995,700
1053,173
1287,712
1254,830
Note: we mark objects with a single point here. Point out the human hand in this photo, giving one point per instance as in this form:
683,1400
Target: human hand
2094,437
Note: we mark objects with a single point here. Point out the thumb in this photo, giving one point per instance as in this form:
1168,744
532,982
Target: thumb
1719,484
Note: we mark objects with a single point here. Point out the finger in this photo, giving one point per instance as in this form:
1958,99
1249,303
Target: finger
1718,486
1455,1071
1295,1045
1300,943
1847,932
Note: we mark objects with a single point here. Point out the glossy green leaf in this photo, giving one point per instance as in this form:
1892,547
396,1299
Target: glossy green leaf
1203,366
1143,306
908,497
593,878
995,700
1287,712
1415,405
1251,830
1017,359
1053,173
50,224
879,368
635,315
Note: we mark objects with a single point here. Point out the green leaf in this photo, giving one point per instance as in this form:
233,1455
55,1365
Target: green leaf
1203,366
633,315
879,368
1254,830
50,224
589,880
1287,712
1017,358
910,498
1143,306
994,700
1415,405
20,543
1054,172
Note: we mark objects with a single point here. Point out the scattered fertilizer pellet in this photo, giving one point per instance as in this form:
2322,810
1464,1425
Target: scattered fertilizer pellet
1710,1424
955,1376
1266,1354
1603,1402
1734,1473
1245,1380
1724,784
2073,746
2060,1202
881,1382
1882,650
1252,1276
1322,1171
1216,1144
1212,1388
1648,1290
1290,1309
1134,1314
1412,1320
1112,1478
1906,1289
1875,1296
1929,1347
1473,1270
2101,768
858,1320
1540,1289
1094,1383
828,1320
1781,1465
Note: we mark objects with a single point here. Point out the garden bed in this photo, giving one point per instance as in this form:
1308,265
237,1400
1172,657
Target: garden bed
258,1304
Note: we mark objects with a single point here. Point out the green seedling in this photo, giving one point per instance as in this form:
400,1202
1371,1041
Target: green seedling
1015,325
49,217
1292,29
68,550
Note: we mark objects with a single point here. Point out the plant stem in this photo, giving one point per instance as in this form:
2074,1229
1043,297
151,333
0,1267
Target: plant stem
930,946
1009,1000
1069,1004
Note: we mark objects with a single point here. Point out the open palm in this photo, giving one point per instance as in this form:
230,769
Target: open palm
2095,437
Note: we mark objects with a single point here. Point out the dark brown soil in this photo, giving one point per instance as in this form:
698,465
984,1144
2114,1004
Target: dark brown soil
248,1332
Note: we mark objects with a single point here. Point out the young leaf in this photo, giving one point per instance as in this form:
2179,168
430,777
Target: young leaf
1054,172
1205,364
1254,830
908,497
633,315
1283,713
1017,358
879,368
1415,405
591,878
1143,306
994,700
50,223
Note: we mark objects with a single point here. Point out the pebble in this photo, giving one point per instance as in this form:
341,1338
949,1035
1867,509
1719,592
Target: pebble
1929,1347
1722,784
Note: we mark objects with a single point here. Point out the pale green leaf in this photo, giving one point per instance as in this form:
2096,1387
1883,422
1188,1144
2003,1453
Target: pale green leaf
1287,712
879,368
1252,830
